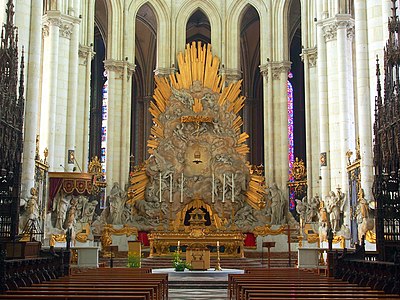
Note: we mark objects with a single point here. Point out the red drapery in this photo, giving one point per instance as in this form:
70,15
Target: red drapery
250,240
143,238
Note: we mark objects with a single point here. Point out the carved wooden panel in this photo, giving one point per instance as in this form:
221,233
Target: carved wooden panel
387,148
11,121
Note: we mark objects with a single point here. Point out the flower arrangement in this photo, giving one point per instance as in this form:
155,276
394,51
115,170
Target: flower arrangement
134,260
178,263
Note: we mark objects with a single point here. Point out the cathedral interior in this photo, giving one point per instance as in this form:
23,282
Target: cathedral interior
215,131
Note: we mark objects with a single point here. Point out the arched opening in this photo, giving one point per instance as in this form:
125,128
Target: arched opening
97,125
252,86
198,28
143,80
296,101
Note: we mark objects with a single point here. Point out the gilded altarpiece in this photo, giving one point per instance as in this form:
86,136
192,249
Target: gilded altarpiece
197,161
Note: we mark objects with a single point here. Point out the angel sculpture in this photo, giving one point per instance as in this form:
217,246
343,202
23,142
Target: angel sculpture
301,208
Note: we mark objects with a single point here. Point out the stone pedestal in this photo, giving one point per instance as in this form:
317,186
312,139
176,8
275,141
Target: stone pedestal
308,257
87,256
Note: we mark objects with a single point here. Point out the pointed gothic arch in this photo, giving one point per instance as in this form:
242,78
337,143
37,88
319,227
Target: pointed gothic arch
162,15
234,15
213,15
253,113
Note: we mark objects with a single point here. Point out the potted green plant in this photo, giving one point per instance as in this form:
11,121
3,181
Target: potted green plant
178,263
134,260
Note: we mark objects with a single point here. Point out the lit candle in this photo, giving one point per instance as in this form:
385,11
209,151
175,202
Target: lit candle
213,188
170,188
160,189
182,188
233,189
179,243
217,243
223,190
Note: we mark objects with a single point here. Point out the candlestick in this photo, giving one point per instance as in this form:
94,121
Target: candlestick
170,188
213,188
182,188
233,189
160,189
223,190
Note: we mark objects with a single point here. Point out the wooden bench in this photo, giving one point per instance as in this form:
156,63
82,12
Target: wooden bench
113,283
295,284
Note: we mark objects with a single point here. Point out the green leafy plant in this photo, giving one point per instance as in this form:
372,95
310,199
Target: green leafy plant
134,260
178,263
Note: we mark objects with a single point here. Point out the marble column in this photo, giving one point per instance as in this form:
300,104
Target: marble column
323,110
363,97
32,97
118,122
266,128
51,32
346,112
72,95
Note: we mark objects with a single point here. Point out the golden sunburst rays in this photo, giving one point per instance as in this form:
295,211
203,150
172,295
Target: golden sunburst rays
255,193
161,96
138,183
197,64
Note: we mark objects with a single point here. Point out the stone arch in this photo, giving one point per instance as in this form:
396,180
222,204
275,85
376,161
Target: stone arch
234,16
281,39
211,11
115,22
163,28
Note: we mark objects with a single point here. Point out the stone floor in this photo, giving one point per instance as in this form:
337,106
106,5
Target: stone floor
192,285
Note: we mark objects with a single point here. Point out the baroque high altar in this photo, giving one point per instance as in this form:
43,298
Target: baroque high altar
197,160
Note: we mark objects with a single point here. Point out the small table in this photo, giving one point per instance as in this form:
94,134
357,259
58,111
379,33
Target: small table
87,256
268,245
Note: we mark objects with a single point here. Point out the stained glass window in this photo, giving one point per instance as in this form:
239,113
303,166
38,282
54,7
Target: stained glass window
292,203
104,126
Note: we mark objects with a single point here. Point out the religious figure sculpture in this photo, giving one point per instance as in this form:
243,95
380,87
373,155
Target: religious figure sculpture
302,209
313,207
363,216
334,206
70,220
116,200
277,205
32,206
61,209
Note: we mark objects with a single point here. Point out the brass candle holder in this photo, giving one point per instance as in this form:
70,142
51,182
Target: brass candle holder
218,266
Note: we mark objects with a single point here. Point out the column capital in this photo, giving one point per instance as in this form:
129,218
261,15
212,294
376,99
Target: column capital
340,21
84,53
264,70
311,54
231,75
117,66
66,23
279,67
164,72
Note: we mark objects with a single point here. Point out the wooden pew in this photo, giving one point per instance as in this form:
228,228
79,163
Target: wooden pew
116,283
295,284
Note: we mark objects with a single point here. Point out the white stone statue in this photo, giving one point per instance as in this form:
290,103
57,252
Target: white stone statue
334,206
32,206
117,202
277,205
302,208
61,209
364,217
